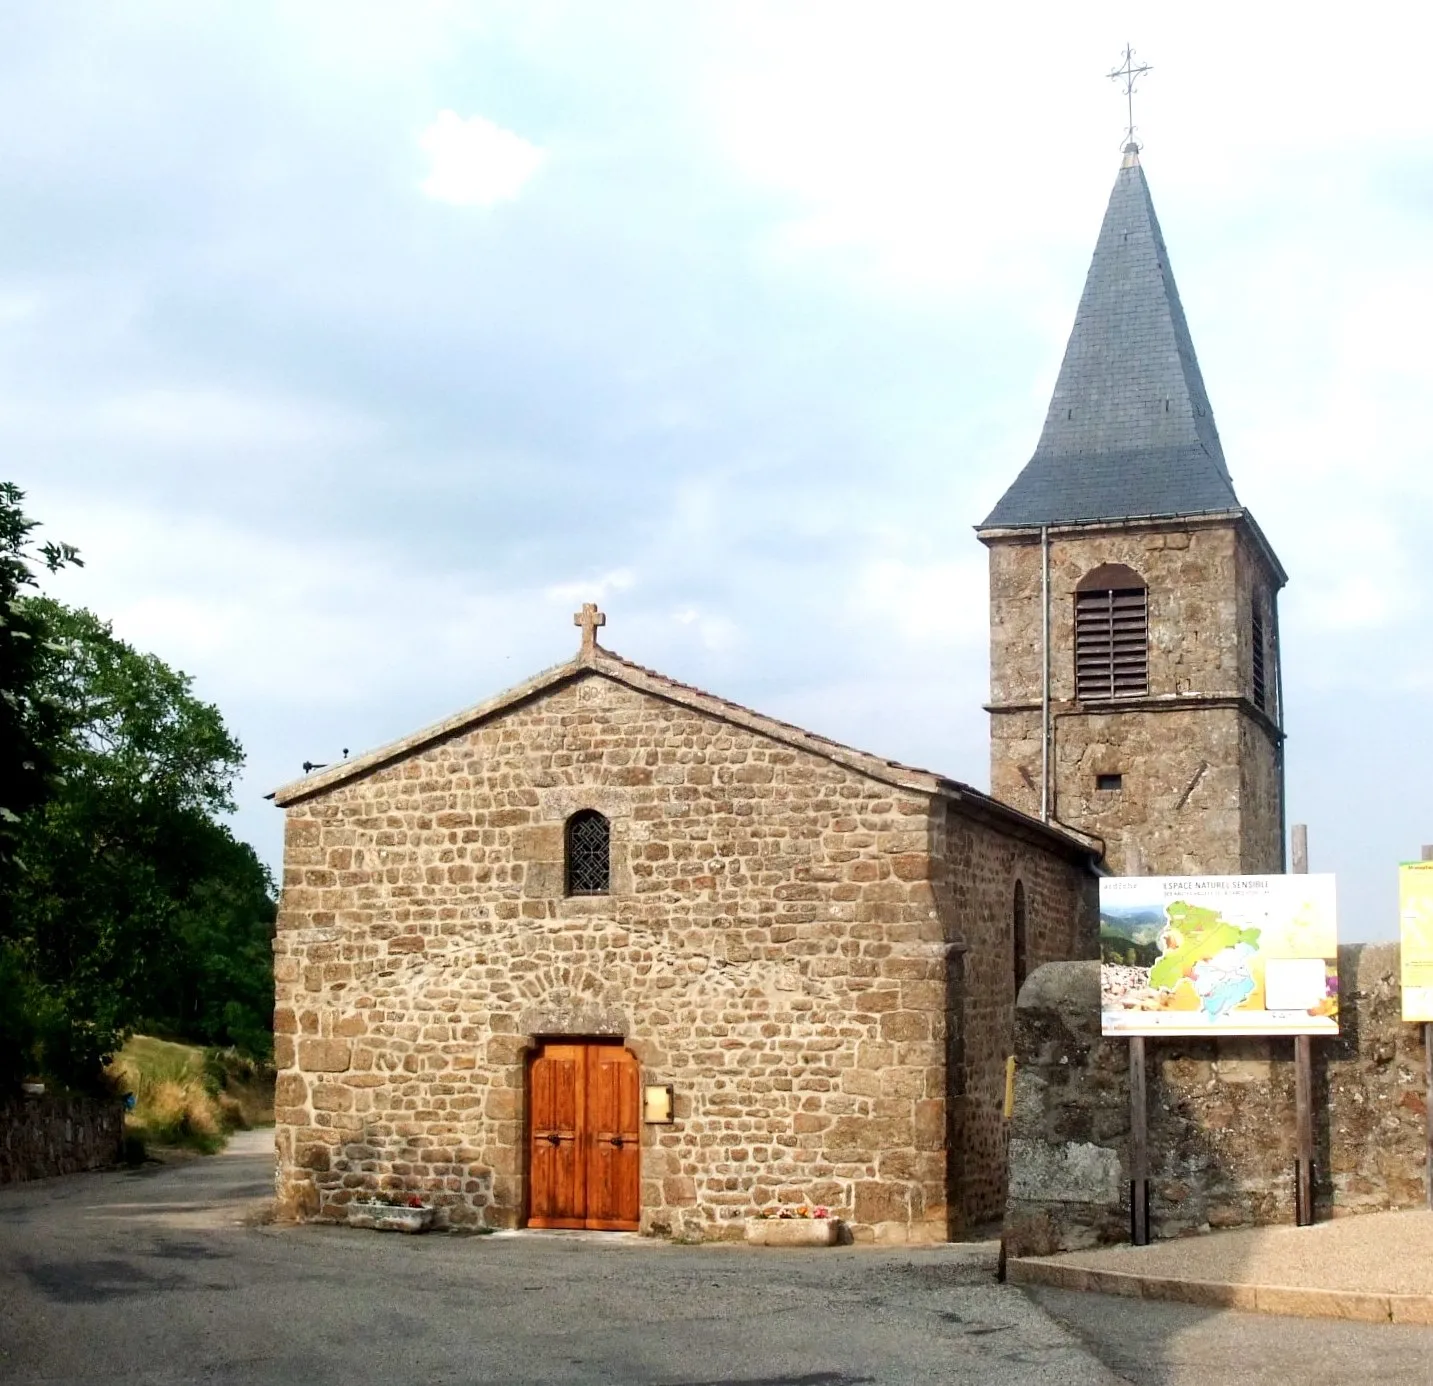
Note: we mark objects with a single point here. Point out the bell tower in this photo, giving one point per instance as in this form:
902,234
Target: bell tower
1135,690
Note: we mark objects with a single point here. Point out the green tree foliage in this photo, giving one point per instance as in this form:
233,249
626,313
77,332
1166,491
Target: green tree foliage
29,726
29,720
136,906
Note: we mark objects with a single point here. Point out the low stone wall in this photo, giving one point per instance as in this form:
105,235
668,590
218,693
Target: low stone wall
1221,1116
42,1136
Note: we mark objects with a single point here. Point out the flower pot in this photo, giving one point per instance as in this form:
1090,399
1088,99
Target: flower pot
792,1231
383,1217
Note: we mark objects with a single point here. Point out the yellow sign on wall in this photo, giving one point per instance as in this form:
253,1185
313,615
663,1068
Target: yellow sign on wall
1415,916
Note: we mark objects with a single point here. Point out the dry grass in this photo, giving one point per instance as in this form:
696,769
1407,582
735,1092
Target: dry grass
188,1097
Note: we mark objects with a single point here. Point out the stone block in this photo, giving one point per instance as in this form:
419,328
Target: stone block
1068,1172
792,1232
878,1201
290,1090
324,1055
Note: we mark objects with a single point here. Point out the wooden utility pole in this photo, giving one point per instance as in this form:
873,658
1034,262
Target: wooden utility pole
1303,1080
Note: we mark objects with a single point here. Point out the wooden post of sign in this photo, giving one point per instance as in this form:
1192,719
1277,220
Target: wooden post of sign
1303,1081
1428,1086
1138,1113
1138,1145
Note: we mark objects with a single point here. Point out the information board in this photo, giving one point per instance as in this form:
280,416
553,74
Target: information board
1415,921
1219,955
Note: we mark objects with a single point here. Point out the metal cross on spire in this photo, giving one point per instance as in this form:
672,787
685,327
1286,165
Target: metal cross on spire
1129,73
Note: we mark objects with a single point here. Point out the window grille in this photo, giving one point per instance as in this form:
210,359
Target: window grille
1111,634
1021,959
589,854
1260,677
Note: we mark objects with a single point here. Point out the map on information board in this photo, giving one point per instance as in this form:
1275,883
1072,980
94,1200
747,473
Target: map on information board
1415,920
1219,955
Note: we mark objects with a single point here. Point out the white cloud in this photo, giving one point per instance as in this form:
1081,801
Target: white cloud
217,418
942,601
597,589
476,163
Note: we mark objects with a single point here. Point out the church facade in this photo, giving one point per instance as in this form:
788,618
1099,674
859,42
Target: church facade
611,952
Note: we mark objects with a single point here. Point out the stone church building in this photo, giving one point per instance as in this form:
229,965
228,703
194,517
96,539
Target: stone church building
608,951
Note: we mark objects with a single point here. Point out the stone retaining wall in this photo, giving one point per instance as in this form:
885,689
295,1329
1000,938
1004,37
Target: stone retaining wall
1221,1123
44,1136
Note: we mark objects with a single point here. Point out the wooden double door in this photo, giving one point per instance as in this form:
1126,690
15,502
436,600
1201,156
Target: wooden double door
585,1136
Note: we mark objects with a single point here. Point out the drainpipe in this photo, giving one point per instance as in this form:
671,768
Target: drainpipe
1279,719
1045,673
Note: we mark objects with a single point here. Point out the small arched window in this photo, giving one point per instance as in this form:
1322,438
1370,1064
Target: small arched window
1018,939
1111,634
589,854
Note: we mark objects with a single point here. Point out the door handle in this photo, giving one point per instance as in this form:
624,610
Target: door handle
618,1141
553,1138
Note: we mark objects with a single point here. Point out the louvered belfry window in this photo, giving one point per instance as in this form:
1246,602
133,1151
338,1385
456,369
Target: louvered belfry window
1260,677
589,854
1111,634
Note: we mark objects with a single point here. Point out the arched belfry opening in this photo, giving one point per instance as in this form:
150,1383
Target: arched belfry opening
1111,634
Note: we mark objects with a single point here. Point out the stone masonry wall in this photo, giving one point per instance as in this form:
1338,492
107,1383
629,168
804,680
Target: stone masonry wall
41,1136
1200,787
772,946
1221,1133
1061,919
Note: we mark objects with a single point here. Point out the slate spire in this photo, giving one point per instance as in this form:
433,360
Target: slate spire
1130,432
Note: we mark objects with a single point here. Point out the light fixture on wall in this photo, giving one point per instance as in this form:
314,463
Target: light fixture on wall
659,1105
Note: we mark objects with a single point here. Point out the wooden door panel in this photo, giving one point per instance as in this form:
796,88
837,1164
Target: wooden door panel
557,1086
614,1178
585,1147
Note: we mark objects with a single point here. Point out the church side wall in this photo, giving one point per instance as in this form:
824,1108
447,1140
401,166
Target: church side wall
771,947
1261,845
1261,789
979,869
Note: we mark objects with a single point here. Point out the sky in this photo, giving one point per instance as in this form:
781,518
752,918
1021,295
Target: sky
357,344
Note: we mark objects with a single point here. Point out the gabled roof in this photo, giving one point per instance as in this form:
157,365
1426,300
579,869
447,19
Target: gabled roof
1129,433
605,664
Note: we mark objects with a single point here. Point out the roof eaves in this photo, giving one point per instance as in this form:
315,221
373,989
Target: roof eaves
347,770
984,806
986,532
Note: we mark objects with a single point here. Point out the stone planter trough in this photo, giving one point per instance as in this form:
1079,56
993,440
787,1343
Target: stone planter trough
792,1231
383,1217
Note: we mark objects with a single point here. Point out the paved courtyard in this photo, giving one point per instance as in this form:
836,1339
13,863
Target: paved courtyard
158,1277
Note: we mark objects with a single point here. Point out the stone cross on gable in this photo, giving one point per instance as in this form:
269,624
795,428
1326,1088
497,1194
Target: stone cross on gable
589,618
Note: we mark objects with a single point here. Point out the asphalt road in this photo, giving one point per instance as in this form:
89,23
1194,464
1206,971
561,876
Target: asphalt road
160,1276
